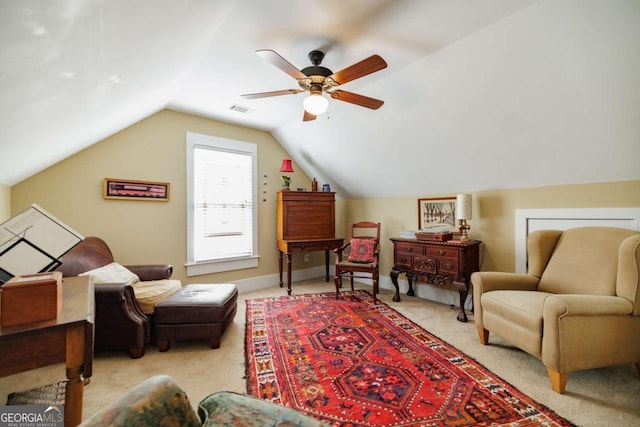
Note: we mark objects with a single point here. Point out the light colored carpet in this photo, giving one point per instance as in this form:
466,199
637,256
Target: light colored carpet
599,397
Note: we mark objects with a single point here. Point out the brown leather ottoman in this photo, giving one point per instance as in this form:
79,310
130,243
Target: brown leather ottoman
195,312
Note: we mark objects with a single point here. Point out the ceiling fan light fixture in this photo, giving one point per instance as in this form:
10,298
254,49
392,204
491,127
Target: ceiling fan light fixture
316,104
319,80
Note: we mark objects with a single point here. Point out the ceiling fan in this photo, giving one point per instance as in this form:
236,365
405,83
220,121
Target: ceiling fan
319,80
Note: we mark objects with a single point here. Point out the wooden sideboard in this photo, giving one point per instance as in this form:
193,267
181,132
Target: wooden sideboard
437,263
306,223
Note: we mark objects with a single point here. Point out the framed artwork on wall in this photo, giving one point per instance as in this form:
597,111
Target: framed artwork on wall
135,190
32,242
437,215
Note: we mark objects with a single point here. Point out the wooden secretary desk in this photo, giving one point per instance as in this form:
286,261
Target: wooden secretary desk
306,223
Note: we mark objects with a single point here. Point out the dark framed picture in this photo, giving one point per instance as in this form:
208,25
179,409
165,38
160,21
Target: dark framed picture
437,215
123,189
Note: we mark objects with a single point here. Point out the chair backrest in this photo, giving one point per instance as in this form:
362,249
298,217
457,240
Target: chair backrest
366,229
91,253
584,261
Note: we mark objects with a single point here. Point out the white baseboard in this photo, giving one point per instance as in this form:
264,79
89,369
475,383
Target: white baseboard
445,295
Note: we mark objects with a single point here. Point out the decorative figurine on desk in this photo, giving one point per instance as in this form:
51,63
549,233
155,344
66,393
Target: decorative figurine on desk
314,185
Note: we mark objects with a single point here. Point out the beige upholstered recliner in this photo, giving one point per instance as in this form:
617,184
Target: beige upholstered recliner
578,306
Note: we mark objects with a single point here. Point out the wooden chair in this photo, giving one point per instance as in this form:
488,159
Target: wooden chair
363,258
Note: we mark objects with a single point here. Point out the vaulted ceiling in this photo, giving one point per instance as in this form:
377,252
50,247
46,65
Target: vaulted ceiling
478,94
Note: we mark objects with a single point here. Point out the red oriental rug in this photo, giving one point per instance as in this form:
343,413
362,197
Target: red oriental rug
348,362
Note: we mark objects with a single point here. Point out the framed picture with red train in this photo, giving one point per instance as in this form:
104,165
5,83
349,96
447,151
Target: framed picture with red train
124,189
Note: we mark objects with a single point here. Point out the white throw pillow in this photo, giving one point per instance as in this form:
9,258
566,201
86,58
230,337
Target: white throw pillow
112,273
151,292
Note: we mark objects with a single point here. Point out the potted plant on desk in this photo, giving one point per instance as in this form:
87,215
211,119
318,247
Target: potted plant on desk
286,182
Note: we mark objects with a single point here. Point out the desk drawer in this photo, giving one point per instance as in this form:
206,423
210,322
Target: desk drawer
311,246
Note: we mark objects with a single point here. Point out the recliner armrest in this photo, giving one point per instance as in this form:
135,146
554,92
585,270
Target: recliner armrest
151,271
110,292
119,321
556,306
485,281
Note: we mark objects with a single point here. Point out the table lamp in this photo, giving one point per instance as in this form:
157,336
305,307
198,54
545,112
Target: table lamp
286,167
463,213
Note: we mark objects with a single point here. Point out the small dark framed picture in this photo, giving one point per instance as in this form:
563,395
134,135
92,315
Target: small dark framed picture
437,214
123,189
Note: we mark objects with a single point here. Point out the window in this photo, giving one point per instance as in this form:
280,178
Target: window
221,204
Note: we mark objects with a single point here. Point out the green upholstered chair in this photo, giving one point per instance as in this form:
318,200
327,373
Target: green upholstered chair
160,401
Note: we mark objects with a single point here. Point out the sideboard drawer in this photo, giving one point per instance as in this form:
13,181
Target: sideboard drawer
409,248
447,266
442,252
423,264
403,260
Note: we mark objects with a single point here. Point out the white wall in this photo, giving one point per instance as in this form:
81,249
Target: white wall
5,202
547,96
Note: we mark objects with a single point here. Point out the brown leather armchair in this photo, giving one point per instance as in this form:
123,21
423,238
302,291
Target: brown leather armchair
119,321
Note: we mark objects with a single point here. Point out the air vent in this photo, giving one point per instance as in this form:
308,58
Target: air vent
241,109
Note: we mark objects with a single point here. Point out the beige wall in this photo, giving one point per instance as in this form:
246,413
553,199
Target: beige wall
493,213
151,232
5,203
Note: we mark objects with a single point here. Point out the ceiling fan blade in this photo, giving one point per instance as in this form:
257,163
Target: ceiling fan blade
281,63
354,98
308,116
359,69
273,93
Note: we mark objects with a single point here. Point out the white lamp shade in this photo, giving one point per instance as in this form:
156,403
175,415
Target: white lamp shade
315,104
463,206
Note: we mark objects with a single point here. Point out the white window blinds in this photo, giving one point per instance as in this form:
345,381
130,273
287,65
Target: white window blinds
223,204
222,212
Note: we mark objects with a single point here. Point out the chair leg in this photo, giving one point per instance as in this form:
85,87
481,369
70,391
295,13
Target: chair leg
558,380
483,334
338,283
215,342
164,345
375,291
136,352
351,277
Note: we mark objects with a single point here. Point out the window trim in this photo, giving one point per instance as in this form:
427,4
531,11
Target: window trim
194,268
